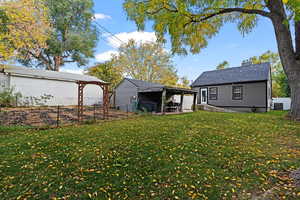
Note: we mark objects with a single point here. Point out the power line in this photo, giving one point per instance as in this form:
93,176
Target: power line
103,38
113,35
103,29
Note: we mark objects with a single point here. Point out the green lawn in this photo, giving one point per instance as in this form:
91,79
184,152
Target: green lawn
192,156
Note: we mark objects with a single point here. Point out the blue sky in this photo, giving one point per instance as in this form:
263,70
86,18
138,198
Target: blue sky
228,45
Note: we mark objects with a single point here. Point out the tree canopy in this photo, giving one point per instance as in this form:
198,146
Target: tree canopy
191,23
223,65
73,37
142,61
23,25
146,61
106,72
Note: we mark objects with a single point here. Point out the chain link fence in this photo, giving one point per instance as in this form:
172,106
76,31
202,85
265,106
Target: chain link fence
56,116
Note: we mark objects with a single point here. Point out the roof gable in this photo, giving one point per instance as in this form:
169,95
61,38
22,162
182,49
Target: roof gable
249,73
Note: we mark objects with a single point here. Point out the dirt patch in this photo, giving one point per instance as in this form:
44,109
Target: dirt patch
53,116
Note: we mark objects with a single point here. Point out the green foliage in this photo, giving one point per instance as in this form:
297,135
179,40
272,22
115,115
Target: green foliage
294,6
268,56
230,156
284,89
106,72
184,82
73,38
191,23
223,65
4,20
8,97
146,61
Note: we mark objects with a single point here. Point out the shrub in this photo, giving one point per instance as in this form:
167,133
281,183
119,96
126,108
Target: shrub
9,98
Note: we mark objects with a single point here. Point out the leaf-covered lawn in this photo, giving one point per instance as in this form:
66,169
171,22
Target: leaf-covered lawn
192,156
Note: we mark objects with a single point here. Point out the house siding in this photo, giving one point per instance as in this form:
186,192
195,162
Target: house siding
255,94
123,95
64,92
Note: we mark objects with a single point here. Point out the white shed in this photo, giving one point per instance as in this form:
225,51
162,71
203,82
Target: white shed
61,86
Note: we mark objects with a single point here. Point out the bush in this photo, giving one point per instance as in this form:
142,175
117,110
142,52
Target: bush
9,98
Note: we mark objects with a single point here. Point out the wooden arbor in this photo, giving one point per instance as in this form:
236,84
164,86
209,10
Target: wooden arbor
104,86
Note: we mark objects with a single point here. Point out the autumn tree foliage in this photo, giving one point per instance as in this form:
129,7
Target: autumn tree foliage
223,65
23,25
191,23
106,72
146,61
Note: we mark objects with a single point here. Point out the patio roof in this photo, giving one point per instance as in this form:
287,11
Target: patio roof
173,90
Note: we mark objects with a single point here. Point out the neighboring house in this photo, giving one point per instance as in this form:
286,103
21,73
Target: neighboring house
148,96
61,86
246,88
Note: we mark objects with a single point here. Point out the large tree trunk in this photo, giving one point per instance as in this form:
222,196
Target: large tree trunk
287,55
57,63
295,95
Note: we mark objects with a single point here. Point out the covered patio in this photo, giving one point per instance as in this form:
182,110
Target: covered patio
160,99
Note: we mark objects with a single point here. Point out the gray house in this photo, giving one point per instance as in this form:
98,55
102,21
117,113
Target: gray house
246,88
149,96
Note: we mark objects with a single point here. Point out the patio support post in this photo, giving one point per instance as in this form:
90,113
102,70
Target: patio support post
181,102
163,101
195,102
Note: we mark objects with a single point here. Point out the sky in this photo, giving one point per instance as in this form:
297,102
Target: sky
229,44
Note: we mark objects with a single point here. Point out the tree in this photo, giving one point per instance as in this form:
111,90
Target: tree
191,23
146,61
268,56
23,25
106,72
223,65
280,82
184,82
73,37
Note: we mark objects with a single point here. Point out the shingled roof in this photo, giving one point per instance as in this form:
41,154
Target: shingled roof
249,73
46,74
144,84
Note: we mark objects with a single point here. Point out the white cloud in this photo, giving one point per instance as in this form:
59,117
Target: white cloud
73,71
105,56
101,16
140,37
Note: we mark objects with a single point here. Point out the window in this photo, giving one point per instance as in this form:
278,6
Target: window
213,93
237,92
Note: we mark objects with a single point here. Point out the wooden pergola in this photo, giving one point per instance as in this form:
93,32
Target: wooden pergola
105,88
